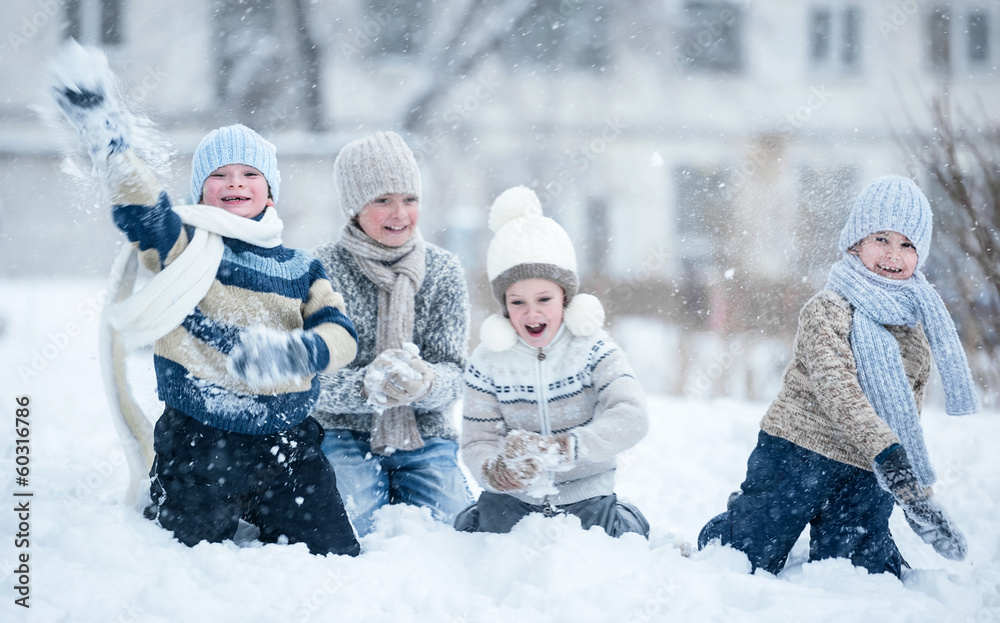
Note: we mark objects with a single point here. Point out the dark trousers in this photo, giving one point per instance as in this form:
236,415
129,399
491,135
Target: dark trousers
495,512
787,488
204,480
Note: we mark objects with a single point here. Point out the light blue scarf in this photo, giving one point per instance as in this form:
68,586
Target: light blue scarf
879,301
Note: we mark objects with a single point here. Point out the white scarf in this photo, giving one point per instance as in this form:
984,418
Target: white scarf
173,293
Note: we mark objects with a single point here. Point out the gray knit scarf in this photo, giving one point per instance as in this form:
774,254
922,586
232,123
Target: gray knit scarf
398,272
877,302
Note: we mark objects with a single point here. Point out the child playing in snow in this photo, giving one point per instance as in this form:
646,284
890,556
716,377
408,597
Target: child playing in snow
842,441
241,326
550,399
387,414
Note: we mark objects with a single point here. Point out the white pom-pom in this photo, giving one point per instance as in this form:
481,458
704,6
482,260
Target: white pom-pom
497,334
584,316
513,203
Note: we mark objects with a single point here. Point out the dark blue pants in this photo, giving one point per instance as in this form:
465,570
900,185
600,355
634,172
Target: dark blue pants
787,488
204,480
496,512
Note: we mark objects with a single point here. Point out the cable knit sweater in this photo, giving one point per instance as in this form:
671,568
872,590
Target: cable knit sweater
821,406
577,384
279,288
440,331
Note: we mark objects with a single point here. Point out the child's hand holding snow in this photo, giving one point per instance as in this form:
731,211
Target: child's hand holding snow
560,452
525,461
554,452
398,376
266,357
84,88
514,468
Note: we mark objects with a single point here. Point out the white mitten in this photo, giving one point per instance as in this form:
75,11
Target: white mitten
84,89
269,357
398,376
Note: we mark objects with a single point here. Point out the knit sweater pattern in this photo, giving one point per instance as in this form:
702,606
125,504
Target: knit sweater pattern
821,406
440,331
583,386
279,288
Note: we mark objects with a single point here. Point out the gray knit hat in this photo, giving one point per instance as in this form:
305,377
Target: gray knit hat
890,203
527,245
234,144
373,166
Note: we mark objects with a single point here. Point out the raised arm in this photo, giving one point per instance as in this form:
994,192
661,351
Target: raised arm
84,89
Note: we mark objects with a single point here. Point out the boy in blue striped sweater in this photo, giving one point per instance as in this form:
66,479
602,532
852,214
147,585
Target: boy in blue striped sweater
240,324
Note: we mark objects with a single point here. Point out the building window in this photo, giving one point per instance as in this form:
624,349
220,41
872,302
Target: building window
939,39
819,39
400,27
704,215
712,37
703,211
834,37
562,32
97,22
961,38
587,36
979,37
594,251
850,37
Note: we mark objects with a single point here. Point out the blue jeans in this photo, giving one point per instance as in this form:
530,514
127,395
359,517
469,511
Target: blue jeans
429,477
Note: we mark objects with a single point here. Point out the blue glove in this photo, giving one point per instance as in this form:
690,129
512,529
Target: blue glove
266,357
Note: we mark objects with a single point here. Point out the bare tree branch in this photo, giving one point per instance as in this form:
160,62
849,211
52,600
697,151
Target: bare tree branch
965,166
477,35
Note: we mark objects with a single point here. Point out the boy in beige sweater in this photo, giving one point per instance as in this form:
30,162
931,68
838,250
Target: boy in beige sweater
842,441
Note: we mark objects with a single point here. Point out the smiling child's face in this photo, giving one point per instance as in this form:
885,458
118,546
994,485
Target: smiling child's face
390,219
887,254
238,189
535,308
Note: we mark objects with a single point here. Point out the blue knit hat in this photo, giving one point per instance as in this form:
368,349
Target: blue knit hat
890,203
234,144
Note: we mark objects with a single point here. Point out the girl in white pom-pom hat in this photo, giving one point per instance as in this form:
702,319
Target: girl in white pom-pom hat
550,399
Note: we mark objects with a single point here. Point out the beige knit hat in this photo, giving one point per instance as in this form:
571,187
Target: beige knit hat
373,166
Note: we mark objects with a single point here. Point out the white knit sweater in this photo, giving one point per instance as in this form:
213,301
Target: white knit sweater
582,384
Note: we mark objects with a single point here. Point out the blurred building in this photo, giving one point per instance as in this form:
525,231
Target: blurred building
703,154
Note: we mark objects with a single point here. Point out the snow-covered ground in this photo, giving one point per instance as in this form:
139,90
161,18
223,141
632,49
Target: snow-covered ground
94,559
